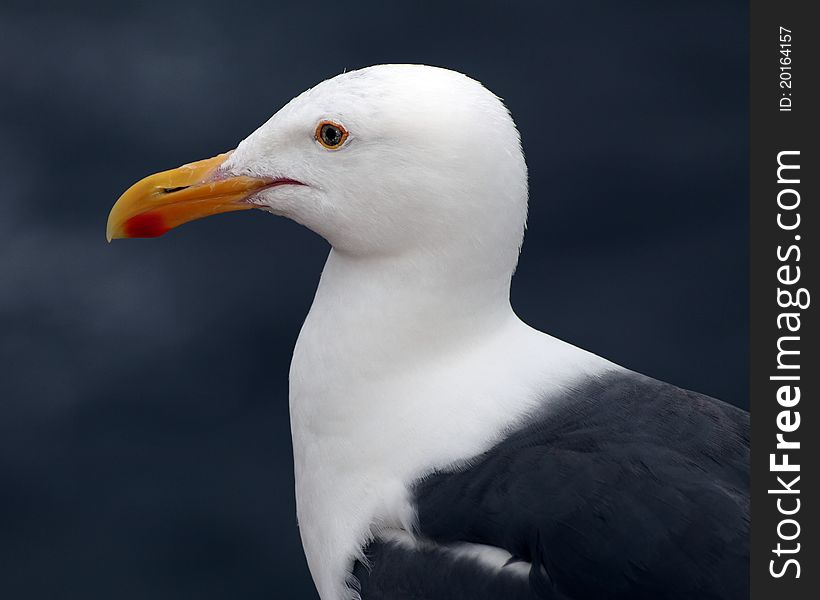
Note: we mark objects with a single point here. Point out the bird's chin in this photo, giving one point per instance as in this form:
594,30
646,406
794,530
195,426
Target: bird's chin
264,207
267,200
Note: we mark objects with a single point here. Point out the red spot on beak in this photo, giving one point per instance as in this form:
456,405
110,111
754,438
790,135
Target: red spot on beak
146,225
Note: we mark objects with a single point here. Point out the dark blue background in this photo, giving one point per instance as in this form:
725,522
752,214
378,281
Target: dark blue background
144,439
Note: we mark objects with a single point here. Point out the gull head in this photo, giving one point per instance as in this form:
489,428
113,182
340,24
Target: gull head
390,160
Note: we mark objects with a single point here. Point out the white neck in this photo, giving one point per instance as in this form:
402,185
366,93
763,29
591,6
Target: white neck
404,364
379,314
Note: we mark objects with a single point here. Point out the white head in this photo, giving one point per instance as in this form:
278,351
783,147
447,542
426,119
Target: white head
431,159
430,165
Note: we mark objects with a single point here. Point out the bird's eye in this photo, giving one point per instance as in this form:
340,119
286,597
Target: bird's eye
331,135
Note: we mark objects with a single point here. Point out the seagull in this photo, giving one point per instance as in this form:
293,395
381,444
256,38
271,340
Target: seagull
444,449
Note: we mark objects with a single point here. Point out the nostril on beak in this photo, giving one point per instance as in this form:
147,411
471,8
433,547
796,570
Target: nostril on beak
174,189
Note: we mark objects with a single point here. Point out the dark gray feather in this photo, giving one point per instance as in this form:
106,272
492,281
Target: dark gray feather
628,488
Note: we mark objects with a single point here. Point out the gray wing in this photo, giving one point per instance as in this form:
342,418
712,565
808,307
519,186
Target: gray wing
633,489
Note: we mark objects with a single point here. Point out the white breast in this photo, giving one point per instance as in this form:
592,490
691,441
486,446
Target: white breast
377,404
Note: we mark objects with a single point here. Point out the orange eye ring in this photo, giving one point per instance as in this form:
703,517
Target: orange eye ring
331,135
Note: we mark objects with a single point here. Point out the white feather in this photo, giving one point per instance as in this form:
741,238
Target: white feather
411,358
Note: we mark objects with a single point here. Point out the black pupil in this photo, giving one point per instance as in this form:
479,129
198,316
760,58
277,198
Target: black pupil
331,135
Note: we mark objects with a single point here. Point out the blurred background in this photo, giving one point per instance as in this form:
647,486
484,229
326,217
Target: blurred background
144,439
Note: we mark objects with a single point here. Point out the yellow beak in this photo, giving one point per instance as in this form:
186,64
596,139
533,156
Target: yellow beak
166,200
